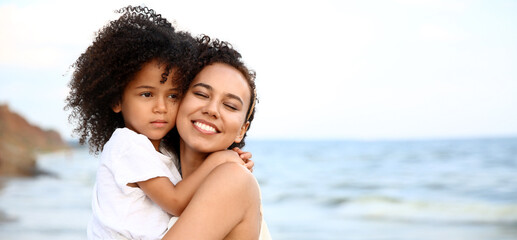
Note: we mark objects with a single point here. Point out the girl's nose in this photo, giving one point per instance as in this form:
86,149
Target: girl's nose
160,106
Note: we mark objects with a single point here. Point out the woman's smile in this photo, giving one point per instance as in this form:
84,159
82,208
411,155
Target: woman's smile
205,127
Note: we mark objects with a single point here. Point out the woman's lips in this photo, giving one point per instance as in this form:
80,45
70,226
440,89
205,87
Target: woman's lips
205,127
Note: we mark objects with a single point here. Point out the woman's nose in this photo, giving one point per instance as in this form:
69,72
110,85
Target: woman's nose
211,109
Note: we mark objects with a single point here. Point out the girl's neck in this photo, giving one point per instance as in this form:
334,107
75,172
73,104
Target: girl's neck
156,145
190,159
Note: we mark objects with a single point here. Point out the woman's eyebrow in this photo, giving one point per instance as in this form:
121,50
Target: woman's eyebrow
208,87
230,95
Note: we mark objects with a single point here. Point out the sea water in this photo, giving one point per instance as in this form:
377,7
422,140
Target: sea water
382,190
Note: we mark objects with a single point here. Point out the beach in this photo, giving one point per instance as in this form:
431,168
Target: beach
326,189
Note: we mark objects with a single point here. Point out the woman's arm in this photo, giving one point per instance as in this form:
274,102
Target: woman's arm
226,206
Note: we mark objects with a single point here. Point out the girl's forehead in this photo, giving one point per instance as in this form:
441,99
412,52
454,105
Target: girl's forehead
150,82
154,71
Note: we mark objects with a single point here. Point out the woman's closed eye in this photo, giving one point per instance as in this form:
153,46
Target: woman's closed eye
231,106
201,94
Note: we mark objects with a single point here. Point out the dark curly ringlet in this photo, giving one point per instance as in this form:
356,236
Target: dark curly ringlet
216,51
119,51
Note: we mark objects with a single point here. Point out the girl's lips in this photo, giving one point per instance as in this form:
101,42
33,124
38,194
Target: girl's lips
159,123
205,127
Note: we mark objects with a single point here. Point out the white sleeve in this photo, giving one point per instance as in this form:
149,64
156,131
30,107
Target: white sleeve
136,161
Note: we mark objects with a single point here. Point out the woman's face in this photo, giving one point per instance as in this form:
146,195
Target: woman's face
212,113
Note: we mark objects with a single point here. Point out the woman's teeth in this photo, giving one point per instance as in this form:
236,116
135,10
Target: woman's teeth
205,127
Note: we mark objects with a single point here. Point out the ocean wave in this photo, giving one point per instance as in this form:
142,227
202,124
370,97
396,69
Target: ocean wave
388,209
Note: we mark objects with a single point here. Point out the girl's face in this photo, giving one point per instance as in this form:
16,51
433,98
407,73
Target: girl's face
212,114
148,106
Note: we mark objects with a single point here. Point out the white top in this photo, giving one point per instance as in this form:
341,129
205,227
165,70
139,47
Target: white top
123,212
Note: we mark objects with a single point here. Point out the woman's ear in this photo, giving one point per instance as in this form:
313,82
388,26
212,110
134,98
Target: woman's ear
117,108
244,128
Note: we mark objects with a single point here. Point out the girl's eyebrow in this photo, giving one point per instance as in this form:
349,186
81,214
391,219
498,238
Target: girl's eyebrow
151,87
145,86
208,87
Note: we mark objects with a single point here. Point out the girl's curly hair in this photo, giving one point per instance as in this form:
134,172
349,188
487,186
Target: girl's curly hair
216,51
119,51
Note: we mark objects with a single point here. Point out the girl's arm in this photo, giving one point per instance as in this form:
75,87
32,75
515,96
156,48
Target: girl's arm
174,198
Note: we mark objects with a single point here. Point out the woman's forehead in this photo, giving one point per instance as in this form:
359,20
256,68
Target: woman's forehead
224,78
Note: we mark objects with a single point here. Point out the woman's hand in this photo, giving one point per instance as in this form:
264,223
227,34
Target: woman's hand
246,157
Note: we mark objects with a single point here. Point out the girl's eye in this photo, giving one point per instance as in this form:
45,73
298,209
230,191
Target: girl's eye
173,96
146,94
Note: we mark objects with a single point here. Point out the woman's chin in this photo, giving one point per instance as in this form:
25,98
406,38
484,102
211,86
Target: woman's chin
203,147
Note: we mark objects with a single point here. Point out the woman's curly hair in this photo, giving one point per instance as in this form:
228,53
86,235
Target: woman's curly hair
119,51
216,51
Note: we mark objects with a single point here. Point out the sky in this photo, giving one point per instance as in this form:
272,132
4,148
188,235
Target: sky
359,69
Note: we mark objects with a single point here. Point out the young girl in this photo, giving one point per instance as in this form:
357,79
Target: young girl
214,115
125,94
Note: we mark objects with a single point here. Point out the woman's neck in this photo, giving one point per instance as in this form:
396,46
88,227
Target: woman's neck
190,159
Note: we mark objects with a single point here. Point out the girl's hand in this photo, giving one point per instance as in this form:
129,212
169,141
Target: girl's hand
246,157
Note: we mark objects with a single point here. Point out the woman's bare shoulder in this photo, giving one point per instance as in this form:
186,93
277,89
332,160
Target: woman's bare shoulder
235,173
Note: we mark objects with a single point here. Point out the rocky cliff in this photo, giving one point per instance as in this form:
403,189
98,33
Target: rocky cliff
20,141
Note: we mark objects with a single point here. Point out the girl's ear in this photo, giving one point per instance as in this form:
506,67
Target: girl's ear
117,108
244,128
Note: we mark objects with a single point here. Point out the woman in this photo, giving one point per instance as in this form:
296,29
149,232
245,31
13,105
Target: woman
214,115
